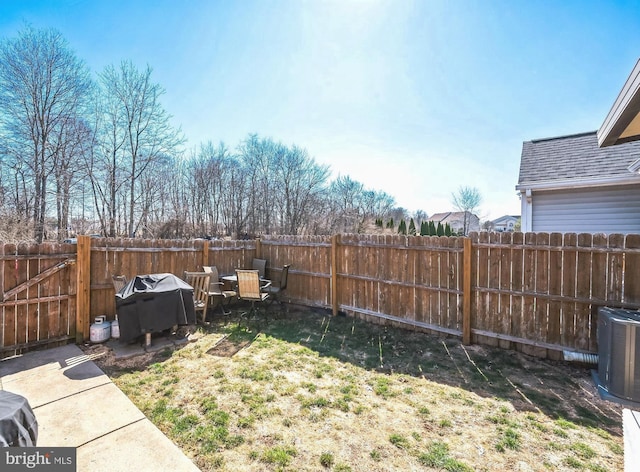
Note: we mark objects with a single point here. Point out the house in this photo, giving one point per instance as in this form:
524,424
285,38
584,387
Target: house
456,220
570,184
505,223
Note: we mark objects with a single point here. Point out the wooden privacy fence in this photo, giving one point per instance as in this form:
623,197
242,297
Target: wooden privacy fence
536,292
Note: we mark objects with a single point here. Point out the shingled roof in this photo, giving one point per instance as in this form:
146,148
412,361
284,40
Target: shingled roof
575,158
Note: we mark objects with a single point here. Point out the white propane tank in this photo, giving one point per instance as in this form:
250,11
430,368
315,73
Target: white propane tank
100,330
115,328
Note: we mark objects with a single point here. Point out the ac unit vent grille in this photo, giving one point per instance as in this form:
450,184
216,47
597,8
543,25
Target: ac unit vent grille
618,350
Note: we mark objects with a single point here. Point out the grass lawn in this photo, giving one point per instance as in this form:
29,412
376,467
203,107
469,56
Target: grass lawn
311,392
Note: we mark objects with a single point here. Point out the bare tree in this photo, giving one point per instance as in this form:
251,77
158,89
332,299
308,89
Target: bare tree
467,200
42,84
301,184
353,205
259,157
104,164
139,131
70,141
152,196
420,216
236,199
218,162
345,194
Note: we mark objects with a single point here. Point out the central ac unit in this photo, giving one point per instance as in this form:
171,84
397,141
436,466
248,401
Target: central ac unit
618,375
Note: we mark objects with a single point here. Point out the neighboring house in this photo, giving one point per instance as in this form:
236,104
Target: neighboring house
569,184
456,220
505,223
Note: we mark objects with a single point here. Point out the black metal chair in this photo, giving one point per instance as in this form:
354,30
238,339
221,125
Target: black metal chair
261,266
275,291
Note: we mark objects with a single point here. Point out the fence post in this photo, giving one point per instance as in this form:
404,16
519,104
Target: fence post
205,254
334,274
83,287
466,292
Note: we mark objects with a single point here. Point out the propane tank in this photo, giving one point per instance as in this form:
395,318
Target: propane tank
100,330
115,328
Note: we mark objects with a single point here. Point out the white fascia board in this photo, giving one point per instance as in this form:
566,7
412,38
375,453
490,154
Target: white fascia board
580,183
624,110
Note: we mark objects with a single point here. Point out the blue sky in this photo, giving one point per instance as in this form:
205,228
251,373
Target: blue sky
415,98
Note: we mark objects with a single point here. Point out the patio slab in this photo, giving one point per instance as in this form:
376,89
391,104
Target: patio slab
77,405
155,453
45,376
104,410
124,351
631,426
159,344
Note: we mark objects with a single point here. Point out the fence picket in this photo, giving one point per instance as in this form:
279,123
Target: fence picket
584,318
598,283
482,315
569,290
632,270
555,290
504,284
516,285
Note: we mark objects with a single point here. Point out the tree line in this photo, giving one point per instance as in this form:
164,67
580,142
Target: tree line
87,154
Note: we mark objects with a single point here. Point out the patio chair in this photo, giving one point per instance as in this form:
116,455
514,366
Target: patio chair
249,288
261,266
119,281
200,283
216,288
275,291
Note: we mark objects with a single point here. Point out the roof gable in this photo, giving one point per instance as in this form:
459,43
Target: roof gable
438,217
575,158
451,217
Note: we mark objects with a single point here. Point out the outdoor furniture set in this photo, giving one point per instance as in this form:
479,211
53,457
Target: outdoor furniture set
135,297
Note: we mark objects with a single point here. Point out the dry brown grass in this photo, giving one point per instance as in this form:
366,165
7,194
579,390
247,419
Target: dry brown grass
310,392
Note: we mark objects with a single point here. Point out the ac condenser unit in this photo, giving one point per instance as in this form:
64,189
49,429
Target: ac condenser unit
618,375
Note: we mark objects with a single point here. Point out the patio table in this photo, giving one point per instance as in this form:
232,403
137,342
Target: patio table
233,279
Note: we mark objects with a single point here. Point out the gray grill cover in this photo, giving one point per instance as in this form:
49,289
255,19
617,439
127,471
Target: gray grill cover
18,425
152,303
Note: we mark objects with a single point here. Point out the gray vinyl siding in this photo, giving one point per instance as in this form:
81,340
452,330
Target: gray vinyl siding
596,210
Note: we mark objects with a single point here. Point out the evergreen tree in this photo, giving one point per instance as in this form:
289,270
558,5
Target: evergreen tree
424,229
440,229
447,230
412,227
402,227
432,228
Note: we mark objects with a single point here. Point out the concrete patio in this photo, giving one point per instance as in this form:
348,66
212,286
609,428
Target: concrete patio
77,405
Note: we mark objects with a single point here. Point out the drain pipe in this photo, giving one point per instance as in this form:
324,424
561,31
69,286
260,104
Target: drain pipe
582,357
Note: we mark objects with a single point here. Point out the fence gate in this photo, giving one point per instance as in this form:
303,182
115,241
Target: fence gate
38,297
